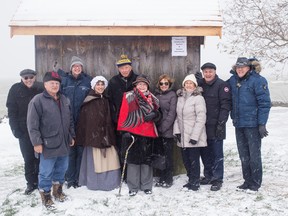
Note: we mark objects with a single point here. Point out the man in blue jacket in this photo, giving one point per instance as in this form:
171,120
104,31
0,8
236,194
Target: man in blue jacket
75,85
250,110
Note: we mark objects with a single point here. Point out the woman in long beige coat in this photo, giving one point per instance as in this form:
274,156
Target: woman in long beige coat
189,128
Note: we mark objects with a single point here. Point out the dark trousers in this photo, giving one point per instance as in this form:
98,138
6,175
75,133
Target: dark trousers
249,148
191,160
31,163
213,160
164,146
75,157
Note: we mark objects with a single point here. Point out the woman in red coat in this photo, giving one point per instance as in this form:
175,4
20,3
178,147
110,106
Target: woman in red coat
138,112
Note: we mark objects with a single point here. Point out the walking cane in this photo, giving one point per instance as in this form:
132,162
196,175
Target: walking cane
124,165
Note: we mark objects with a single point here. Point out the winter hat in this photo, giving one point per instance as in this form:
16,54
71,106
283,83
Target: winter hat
27,72
51,76
190,77
98,78
123,61
76,60
208,65
242,62
141,78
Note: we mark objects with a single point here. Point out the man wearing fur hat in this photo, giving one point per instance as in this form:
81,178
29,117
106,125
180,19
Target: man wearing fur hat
217,96
18,99
75,85
51,130
250,110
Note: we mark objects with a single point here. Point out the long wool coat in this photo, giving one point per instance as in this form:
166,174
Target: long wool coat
191,118
94,127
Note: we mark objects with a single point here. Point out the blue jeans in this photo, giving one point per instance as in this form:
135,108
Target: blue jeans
75,157
249,148
191,160
213,160
52,170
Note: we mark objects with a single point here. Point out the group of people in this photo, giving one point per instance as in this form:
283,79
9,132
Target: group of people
86,130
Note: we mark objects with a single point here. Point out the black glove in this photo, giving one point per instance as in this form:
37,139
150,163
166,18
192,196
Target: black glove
193,142
262,131
150,116
126,135
220,130
198,75
178,136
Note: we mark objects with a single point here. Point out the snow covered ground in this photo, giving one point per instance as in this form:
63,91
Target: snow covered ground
271,199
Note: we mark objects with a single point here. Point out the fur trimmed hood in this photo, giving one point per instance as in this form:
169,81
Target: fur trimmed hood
197,91
254,65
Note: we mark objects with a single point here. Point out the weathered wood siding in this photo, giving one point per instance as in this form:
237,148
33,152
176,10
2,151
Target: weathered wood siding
150,55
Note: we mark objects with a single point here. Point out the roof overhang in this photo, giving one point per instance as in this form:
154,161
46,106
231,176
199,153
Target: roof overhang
117,30
116,18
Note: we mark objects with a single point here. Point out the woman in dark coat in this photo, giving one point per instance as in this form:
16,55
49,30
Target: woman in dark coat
164,144
100,163
138,112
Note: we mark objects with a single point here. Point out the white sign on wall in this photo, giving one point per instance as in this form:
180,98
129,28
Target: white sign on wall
179,46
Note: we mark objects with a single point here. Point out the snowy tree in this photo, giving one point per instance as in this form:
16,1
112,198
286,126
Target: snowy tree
257,28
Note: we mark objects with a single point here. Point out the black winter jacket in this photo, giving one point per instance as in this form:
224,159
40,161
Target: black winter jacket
116,88
217,97
18,99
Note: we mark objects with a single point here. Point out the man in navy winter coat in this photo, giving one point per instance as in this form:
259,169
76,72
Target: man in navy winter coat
217,97
75,85
250,110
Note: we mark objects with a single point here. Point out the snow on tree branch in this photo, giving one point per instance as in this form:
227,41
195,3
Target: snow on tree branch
257,28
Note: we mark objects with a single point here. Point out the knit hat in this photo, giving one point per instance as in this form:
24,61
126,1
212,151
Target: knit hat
141,78
27,72
98,78
190,77
123,61
242,62
51,76
208,65
76,60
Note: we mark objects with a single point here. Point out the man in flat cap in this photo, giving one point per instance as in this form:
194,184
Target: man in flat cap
19,96
217,96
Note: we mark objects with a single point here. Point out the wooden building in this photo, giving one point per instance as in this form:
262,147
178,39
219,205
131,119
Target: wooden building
159,36
100,31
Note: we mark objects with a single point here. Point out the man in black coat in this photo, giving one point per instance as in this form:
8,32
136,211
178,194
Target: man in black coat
217,96
19,96
118,84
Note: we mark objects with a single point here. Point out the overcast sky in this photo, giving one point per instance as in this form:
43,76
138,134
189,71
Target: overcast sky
17,53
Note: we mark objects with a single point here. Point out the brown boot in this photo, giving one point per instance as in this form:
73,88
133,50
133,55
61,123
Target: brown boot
46,199
58,193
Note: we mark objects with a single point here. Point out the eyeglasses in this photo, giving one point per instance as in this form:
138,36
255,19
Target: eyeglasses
163,83
28,77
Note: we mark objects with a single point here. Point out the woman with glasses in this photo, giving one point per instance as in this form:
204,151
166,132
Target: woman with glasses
164,144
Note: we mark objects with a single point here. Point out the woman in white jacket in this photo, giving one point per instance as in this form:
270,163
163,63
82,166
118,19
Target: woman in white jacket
189,128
